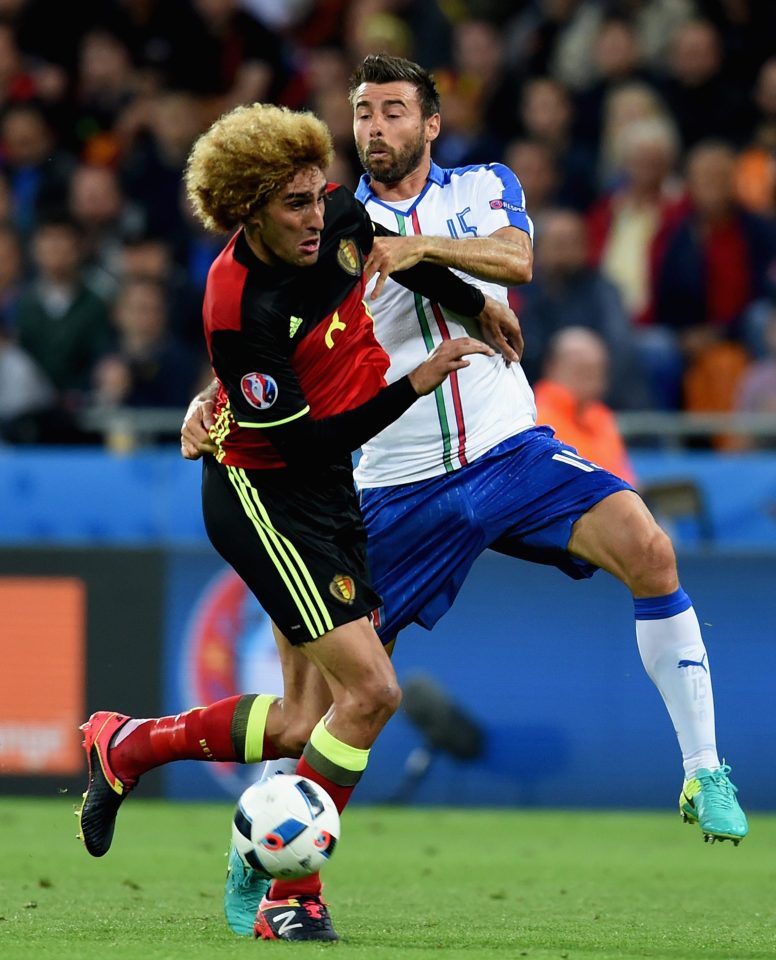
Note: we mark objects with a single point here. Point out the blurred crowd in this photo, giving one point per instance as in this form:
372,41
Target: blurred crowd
643,132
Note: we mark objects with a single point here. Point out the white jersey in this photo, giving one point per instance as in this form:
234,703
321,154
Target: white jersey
476,407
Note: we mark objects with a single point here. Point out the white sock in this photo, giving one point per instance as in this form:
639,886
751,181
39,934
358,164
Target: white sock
674,656
271,768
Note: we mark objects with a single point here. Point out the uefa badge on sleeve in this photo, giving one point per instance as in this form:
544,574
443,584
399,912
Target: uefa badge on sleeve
259,389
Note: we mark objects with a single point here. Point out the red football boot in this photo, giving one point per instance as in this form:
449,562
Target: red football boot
105,791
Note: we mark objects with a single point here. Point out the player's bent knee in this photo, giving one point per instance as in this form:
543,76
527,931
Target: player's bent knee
384,699
371,704
654,570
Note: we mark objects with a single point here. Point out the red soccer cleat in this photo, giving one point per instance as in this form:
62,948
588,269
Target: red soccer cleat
297,918
105,792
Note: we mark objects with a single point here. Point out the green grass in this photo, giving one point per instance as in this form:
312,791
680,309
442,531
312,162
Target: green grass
409,883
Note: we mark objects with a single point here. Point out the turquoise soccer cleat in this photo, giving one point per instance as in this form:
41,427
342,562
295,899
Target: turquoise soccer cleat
709,799
244,890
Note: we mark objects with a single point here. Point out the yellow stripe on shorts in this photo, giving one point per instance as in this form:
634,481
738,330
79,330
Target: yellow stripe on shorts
285,557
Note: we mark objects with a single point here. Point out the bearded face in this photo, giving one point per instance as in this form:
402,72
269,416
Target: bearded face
390,164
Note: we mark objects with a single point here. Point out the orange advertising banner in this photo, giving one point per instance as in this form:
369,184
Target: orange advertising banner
42,669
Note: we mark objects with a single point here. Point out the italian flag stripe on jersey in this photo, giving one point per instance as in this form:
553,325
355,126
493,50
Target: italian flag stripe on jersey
439,396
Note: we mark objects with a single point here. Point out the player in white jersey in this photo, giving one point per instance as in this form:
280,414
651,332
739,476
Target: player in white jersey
472,471
447,432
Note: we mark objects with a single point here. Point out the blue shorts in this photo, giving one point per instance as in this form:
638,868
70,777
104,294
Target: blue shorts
521,498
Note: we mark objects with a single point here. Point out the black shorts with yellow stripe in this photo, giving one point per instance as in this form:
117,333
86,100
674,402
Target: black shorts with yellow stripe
298,542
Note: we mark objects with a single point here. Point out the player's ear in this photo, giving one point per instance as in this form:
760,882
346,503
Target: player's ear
433,125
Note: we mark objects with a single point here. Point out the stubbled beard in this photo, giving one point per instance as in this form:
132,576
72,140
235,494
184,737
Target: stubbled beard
398,165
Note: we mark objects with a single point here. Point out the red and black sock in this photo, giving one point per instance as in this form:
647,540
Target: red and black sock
231,729
337,767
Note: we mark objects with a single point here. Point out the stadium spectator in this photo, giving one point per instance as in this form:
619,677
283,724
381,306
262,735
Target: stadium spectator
325,68
24,77
756,165
144,255
17,83
333,108
550,38
37,170
617,62
375,25
628,104
106,87
747,29
27,398
152,169
716,261
703,100
103,214
624,226
200,247
151,29
570,398
764,96
546,114
478,96
229,57
56,46
655,23
538,173
567,292
62,324
149,367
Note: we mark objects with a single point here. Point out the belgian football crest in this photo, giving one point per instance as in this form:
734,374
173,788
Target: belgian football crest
349,257
343,588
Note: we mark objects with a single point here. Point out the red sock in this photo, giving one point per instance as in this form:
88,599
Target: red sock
340,795
310,885
204,733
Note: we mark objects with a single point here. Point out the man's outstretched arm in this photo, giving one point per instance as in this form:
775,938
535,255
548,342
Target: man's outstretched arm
504,257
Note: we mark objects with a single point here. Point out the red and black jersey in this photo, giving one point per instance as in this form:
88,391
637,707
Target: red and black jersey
293,348
286,341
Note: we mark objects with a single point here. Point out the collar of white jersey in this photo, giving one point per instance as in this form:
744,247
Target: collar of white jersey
365,194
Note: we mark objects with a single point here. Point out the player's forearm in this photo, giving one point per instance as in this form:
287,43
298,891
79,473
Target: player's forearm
440,285
507,262
308,442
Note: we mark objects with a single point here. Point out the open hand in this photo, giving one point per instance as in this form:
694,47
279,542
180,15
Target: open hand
390,254
501,329
445,358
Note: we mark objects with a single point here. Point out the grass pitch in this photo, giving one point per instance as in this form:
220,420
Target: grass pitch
408,883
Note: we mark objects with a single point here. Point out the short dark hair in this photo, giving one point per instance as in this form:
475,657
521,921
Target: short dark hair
382,68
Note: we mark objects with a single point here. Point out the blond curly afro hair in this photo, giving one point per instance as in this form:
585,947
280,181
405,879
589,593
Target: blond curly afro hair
246,156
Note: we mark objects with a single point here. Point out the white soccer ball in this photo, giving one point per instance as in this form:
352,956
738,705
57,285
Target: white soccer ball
286,826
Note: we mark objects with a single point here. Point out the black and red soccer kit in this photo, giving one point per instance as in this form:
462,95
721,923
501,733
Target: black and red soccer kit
302,385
